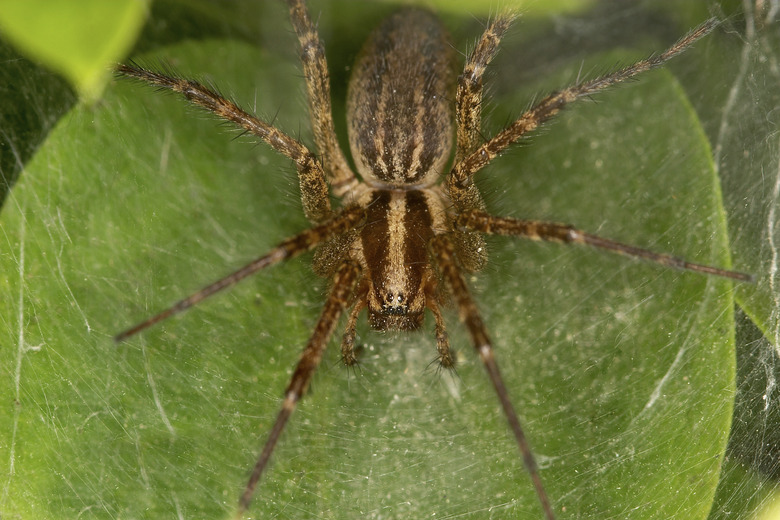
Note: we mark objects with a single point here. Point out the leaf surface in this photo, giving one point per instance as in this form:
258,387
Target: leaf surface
623,372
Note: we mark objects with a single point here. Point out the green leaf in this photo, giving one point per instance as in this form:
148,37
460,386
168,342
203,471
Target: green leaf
623,372
731,81
742,493
80,40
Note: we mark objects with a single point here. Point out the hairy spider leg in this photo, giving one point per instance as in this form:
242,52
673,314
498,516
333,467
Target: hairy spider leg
311,176
468,96
470,246
444,258
315,70
290,248
462,172
483,222
462,247
337,301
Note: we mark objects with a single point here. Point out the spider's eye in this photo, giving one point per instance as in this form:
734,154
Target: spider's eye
394,299
395,303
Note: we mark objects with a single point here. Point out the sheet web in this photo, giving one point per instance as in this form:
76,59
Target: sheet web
621,371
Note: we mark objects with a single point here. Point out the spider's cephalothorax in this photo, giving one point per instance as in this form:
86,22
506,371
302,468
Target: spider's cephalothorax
409,226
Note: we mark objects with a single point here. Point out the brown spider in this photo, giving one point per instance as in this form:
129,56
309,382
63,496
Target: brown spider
401,240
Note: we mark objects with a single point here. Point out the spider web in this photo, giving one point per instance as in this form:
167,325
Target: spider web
608,360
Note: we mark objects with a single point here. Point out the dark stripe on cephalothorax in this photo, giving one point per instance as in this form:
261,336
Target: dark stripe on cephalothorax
418,224
375,235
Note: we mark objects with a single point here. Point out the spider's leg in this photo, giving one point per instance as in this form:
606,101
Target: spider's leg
289,248
315,70
468,97
462,171
443,253
471,247
442,338
348,339
343,282
476,220
311,176
432,300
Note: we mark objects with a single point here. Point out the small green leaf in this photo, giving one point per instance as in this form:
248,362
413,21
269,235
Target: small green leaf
80,40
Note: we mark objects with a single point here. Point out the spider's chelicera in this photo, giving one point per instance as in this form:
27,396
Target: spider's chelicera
408,226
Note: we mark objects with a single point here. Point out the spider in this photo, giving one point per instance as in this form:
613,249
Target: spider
410,221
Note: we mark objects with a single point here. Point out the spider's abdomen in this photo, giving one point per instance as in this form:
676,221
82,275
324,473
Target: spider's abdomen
393,252
399,113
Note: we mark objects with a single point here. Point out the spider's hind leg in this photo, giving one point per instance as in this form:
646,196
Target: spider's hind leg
468,116
462,172
315,70
468,98
311,175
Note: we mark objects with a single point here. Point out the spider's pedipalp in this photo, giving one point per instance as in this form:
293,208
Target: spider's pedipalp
348,356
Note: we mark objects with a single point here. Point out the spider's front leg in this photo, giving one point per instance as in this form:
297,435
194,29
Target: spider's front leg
341,290
290,248
443,253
